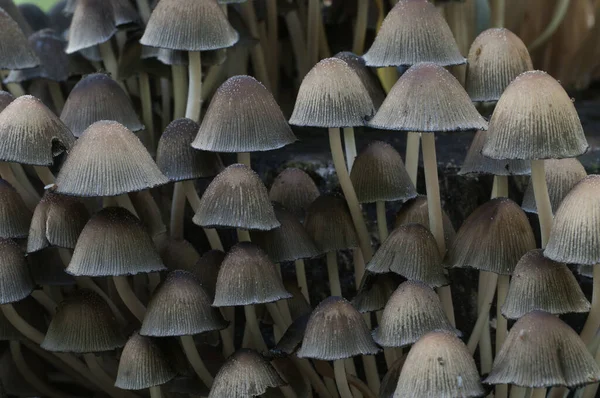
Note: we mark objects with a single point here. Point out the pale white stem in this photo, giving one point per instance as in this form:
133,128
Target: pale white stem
194,99
413,142
191,352
129,298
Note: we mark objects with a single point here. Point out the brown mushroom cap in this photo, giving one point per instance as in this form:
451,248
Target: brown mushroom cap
475,163
416,211
367,77
15,217
15,52
330,225
15,280
295,190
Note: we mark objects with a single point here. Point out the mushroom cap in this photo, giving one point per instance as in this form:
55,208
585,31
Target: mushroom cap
15,280
332,95
236,198
412,311
207,269
374,292
329,224
189,25
477,164
108,160
180,307
416,211
336,330
539,283
15,51
83,323
98,97
414,31
493,238
543,351
575,234
366,76
431,100
295,190
378,174
5,99
34,16
176,253
176,158
495,58
31,134
243,117
292,338
534,119
114,242
247,276
439,365
15,217
93,23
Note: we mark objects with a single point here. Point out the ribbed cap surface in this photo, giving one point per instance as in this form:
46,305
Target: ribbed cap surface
431,100
493,238
535,119
543,351
378,174
177,159
247,276
83,323
243,117
539,283
439,365
374,292
31,134
189,25
495,58
114,242
175,253
366,76
181,307
575,234
295,190
411,312
332,95
93,23
329,224
98,97
336,330
410,251
108,160
15,51
475,163
5,99
15,281
236,198
14,214
412,32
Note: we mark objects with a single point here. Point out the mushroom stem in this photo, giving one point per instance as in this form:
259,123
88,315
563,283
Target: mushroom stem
165,96
335,142
312,30
211,234
180,82
44,174
294,27
413,142
129,298
273,39
498,10
518,392
501,326
388,352
125,202
243,235
559,15
381,220
147,117
101,376
177,211
16,89
58,98
593,320
257,52
45,301
244,158
590,391
350,146
189,348
500,188
194,99
351,372
484,311
109,60
30,196
307,370
144,10
542,200
538,393
332,270
341,379
85,282
155,392
360,27
277,316
254,328
370,365
148,211
301,278
485,343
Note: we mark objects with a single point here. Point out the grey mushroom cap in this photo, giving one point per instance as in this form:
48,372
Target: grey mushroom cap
15,281
15,51
477,164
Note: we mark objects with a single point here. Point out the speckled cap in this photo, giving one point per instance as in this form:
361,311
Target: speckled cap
477,164
495,58
535,119
431,99
189,25
332,95
15,217
367,77
329,224
15,280
243,117
295,190
15,51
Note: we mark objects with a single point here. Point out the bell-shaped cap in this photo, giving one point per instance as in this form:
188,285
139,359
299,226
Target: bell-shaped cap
477,164
292,338
575,234
416,211
176,253
5,99
539,283
439,365
47,268
36,18
247,276
243,117
374,292
15,280
83,323
367,77
336,330
57,221
332,95
177,159
114,242
543,351
329,224
15,51
493,238
108,160
410,251
236,198
181,307
143,364
98,97
245,374
561,176
414,31
534,119
207,269
495,58
31,134
15,217
378,174
289,242
411,312
189,25
295,190
431,100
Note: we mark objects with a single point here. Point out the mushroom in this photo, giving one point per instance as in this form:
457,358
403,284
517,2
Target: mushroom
295,190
